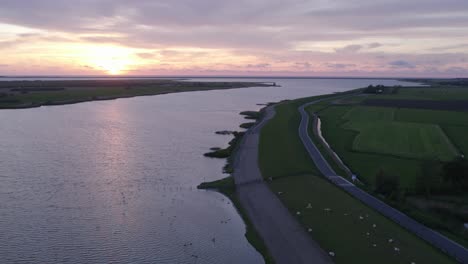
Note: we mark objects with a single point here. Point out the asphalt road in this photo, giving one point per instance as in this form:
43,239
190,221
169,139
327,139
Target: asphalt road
287,241
432,237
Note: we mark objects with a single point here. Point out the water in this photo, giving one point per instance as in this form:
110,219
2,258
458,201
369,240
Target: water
115,181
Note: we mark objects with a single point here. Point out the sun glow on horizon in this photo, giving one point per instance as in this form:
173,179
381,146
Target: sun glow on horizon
112,60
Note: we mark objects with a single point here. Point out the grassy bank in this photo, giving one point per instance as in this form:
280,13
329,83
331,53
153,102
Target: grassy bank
290,161
25,94
337,221
251,114
223,153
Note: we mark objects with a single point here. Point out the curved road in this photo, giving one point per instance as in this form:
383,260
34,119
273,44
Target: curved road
436,239
287,241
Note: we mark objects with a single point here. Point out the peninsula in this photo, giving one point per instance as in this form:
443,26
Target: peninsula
35,93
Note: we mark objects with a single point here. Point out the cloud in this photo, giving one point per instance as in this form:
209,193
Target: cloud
340,65
146,55
304,65
28,38
393,14
374,45
240,24
349,49
462,71
103,39
7,44
256,34
259,65
450,47
401,64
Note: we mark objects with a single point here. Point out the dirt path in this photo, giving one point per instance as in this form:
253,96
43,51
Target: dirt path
287,241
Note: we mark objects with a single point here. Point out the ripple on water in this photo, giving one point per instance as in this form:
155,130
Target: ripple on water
114,181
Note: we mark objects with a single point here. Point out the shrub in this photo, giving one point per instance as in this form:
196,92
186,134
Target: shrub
456,173
387,184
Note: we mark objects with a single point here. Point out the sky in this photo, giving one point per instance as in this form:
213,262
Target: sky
374,38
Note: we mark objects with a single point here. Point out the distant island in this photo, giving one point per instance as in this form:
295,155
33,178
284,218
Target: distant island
35,93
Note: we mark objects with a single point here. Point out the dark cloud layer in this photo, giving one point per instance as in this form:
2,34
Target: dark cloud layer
234,24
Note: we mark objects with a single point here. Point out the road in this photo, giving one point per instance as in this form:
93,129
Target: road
287,241
432,237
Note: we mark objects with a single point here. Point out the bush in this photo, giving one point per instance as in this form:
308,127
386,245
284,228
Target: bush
387,185
371,89
456,173
430,180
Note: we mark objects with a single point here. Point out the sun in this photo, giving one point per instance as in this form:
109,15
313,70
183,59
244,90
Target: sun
113,66
114,71
112,60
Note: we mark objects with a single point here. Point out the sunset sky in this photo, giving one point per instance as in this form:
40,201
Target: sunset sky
252,37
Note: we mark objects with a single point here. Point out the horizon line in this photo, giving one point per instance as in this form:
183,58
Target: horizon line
220,76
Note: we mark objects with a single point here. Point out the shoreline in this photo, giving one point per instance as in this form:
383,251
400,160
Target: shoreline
33,94
283,237
227,187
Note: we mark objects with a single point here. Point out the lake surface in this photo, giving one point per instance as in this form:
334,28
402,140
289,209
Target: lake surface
115,181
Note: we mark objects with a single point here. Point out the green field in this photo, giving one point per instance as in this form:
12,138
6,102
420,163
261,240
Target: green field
366,114
370,139
335,220
379,133
365,165
437,93
458,135
402,139
429,93
432,117
403,143
340,229
454,124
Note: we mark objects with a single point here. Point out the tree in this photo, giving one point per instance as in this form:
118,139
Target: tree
456,173
387,184
371,89
431,178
